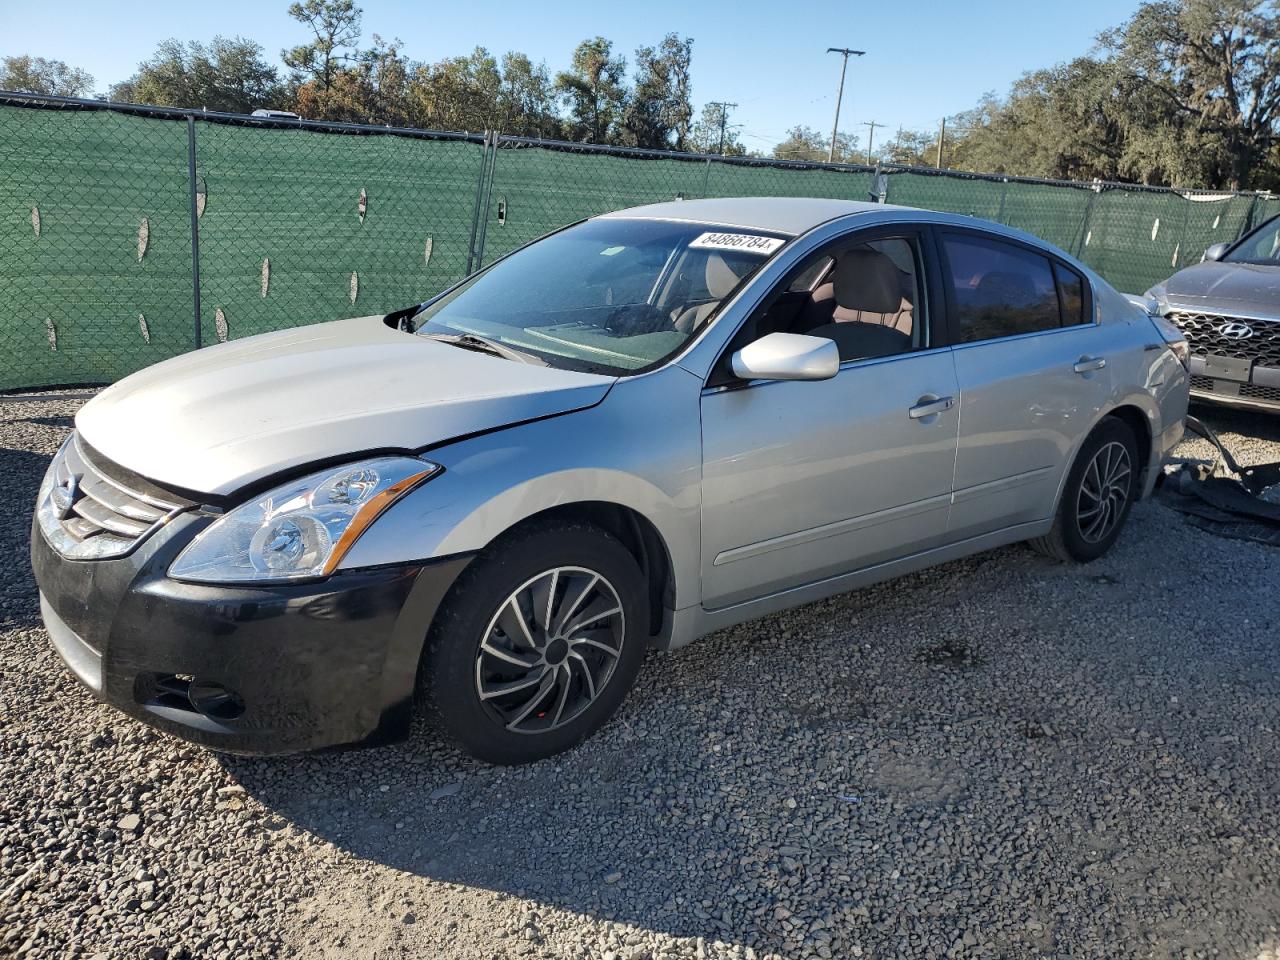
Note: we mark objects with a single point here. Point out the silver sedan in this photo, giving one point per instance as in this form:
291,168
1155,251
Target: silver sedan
637,430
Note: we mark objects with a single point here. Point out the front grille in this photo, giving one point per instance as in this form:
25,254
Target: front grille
1202,383
1202,333
88,514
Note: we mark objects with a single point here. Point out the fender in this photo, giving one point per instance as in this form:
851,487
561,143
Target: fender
640,448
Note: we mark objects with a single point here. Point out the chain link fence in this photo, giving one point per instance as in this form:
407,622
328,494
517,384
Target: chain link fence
131,234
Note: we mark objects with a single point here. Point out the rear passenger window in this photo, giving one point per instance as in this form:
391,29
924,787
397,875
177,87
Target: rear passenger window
1071,292
1000,290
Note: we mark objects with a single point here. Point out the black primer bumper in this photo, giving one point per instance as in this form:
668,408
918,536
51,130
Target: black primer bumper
306,665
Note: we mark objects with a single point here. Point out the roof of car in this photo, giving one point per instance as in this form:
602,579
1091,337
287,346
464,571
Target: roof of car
789,215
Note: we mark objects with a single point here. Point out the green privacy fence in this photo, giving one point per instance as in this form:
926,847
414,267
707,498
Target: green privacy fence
132,234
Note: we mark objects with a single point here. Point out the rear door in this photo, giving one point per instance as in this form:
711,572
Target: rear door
805,480
1032,375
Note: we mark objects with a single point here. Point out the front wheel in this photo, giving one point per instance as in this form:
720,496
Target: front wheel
538,644
1097,496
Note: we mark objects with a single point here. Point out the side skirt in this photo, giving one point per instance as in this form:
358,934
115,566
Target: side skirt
692,622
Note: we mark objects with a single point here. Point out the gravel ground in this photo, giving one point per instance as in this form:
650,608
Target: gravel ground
1001,757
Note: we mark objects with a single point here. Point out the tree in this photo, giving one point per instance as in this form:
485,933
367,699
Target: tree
52,78
526,98
714,134
1058,123
910,148
805,143
1185,92
375,89
659,114
594,90
1206,72
676,58
228,75
335,26
385,77
460,93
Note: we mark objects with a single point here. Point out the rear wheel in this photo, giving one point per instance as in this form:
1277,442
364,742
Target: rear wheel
1097,496
538,643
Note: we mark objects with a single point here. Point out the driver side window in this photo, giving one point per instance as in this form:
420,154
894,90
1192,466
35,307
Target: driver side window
866,295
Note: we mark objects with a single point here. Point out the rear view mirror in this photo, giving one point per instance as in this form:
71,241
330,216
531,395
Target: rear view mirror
787,356
1216,251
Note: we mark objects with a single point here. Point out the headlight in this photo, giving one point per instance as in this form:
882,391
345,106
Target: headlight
300,529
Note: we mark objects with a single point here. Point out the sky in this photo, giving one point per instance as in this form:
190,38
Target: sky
922,62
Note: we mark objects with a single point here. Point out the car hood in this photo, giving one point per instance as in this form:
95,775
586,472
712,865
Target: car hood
216,419
1246,288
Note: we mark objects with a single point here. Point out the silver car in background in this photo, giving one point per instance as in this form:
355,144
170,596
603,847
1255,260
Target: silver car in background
1228,308
632,432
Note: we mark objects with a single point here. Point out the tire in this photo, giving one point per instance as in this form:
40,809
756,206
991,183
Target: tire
478,643
1084,527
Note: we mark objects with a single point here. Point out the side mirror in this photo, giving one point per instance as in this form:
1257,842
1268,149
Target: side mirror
1216,251
787,356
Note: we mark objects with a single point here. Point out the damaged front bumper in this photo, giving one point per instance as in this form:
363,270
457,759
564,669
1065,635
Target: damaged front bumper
245,669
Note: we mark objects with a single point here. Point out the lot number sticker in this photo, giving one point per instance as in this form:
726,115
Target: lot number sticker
744,242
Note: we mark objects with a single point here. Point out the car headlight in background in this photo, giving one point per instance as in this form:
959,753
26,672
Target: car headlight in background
300,529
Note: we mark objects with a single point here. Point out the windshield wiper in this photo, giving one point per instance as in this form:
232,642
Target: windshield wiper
473,341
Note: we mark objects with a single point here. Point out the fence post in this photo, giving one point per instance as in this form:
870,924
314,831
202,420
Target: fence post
706,177
1004,190
195,225
487,180
475,205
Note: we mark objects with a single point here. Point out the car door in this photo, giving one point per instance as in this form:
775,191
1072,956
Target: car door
804,480
1032,373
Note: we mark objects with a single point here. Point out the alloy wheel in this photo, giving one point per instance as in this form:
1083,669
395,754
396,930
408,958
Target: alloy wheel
550,649
1104,491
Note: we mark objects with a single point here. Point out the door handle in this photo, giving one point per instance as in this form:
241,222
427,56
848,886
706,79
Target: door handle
926,407
1089,364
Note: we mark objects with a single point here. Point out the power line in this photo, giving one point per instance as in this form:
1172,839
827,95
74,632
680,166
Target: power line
846,53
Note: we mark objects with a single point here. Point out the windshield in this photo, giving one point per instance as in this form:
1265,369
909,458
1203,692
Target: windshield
609,296
1262,246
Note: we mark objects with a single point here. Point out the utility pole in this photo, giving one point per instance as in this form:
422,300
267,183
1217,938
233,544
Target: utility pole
725,107
871,137
846,53
942,135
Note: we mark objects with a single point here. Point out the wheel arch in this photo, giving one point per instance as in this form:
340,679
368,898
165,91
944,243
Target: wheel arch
1139,421
1138,416
633,529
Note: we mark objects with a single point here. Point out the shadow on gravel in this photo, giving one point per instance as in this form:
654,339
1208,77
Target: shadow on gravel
62,423
22,471
1249,423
